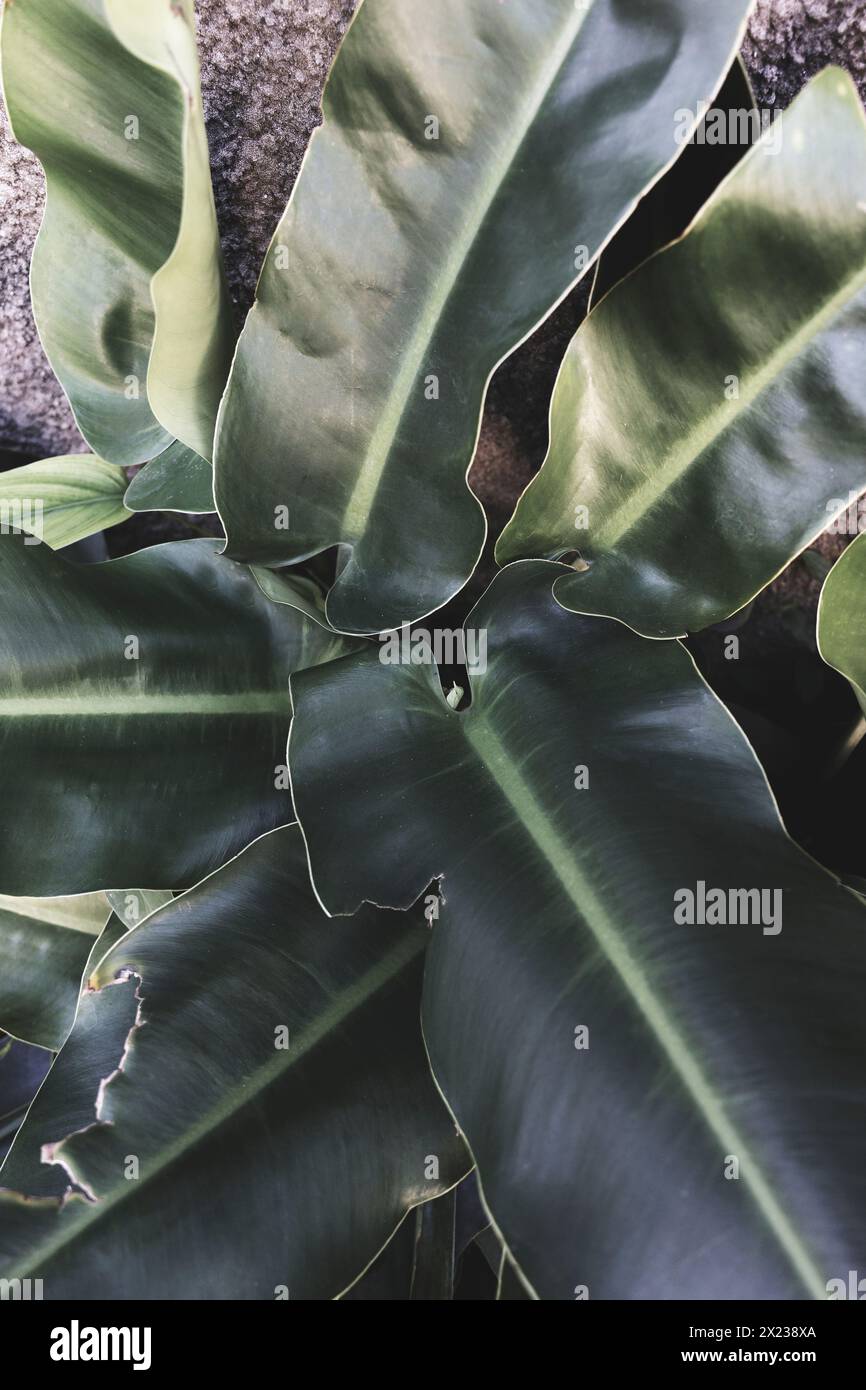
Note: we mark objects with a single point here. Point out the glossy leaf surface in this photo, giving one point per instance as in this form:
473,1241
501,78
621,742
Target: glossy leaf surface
144,709
605,1057
264,1171
708,419
474,157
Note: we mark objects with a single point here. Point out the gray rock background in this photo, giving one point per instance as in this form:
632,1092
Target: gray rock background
264,64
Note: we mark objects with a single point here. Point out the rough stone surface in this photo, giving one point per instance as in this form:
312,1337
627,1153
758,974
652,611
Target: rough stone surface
790,40
263,67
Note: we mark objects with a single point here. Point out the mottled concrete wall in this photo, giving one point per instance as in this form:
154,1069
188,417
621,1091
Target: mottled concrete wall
263,67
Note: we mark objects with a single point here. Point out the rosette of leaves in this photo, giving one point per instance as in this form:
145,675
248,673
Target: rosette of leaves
532,966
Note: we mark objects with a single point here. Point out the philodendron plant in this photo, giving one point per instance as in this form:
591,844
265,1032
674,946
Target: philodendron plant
529,954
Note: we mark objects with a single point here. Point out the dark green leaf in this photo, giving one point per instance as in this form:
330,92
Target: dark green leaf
262,1171
144,710
474,158
45,944
593,783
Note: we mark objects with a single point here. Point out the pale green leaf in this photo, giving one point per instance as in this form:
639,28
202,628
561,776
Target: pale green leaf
127,281
62,500
842,617
708,420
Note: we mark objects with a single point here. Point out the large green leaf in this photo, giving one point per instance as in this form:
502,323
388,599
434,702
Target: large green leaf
473,159
45,944
61,500
708,419
127,280
593,780
144,709
260,1167
842,617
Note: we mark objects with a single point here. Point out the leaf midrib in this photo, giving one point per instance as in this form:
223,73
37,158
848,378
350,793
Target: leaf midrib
726,416
530,814
381,443
90,500
232,1102
133,704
